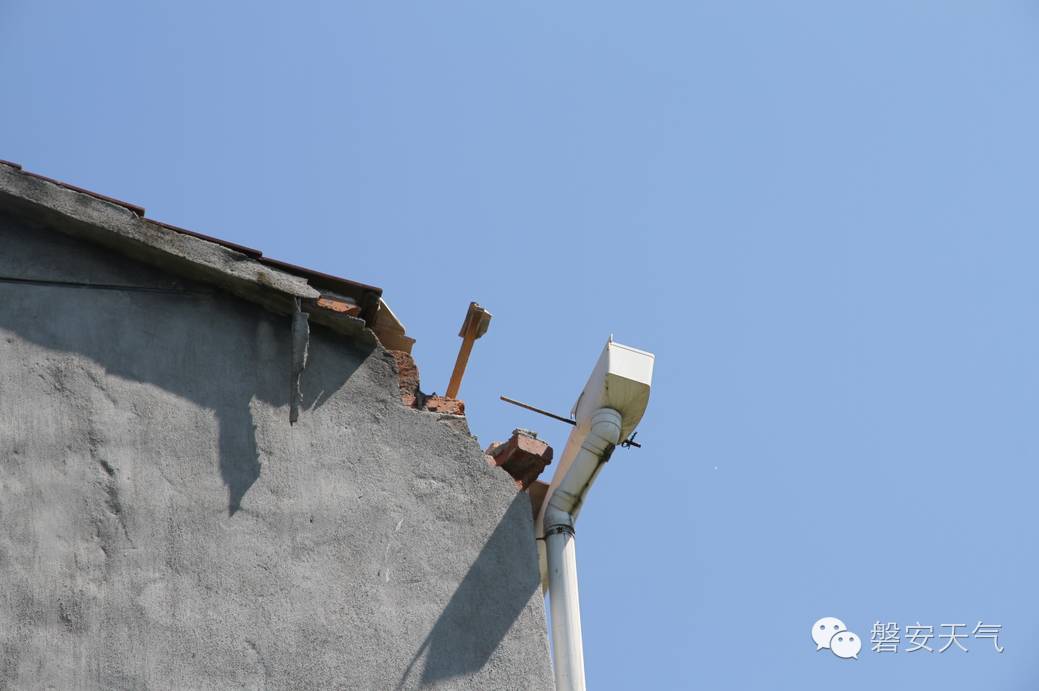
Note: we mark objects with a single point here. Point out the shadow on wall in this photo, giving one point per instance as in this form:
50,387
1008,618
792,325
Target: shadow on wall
211,349
489,599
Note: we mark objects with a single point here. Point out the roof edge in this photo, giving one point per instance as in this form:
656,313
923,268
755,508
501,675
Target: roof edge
243,271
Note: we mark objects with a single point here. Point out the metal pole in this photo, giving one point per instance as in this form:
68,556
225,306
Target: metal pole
537,410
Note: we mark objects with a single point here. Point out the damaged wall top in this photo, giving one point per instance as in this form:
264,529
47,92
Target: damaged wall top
164,526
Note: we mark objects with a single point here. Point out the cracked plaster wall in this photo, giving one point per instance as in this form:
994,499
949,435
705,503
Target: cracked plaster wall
162,526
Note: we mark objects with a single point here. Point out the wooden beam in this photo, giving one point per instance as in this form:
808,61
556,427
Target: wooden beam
477,319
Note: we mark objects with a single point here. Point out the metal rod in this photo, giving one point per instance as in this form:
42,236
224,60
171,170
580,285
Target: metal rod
538,410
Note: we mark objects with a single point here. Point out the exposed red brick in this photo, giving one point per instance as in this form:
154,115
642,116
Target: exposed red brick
340,306
441,404
407,375
410,394
523,456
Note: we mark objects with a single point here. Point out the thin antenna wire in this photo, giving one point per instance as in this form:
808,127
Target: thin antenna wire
538,410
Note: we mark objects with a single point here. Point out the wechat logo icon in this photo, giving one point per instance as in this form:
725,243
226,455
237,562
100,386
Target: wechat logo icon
832,634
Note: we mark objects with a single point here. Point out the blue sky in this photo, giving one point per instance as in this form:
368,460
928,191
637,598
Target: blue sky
820,216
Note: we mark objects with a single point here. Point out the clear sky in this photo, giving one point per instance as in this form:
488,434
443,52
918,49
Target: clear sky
820,216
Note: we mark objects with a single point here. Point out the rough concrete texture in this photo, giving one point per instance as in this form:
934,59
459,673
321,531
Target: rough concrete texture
162,526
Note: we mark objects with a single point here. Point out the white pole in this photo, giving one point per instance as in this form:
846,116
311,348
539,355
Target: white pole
567,647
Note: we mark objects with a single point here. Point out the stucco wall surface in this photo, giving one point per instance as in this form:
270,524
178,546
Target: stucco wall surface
163,526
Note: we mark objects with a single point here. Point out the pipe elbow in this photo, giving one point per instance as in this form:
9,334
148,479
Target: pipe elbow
565,500
605,430
557,519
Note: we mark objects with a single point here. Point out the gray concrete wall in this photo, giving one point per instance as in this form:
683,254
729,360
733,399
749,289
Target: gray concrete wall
162,525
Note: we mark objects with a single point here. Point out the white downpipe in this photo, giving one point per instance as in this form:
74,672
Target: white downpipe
558,524
567,645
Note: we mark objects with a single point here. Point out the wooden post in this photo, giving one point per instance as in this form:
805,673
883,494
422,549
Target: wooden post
477,319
